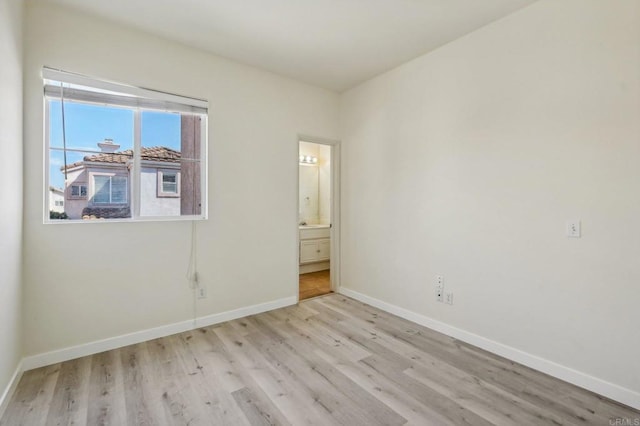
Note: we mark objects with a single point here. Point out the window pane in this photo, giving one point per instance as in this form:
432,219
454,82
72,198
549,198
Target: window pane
170,182
160,129
171,141
171,188
56,167
191,169
190,188
160,138
95,135
88,124
119,189
101,185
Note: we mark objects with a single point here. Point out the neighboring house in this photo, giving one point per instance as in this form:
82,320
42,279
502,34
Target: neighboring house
100,185
56,199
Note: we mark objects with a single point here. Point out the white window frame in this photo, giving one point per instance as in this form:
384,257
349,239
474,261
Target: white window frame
161,193
137,99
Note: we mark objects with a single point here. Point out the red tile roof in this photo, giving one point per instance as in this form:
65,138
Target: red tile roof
154,153
106,212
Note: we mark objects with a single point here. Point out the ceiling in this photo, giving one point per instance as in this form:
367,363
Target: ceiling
335,44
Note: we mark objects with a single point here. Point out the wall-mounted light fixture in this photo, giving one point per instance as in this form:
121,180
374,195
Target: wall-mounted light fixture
308,159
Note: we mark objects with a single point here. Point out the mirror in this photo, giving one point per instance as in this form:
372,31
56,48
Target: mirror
314,190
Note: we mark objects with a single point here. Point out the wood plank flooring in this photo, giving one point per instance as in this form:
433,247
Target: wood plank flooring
327,361
315,284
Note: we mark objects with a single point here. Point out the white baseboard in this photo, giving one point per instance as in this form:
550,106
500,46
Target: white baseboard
10,389
66,354
594,384
246,311
314,267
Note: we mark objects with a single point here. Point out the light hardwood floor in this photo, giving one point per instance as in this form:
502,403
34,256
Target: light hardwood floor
315,284
329,360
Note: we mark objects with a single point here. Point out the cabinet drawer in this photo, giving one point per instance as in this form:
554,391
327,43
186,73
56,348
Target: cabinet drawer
314,233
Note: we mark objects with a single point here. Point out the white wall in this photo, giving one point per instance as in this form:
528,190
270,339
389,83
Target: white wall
11,176
150,203
468,161
247,248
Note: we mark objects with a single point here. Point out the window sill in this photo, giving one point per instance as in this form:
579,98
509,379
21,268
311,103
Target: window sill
198,218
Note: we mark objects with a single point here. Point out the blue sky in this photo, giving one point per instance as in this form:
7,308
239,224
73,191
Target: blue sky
86,125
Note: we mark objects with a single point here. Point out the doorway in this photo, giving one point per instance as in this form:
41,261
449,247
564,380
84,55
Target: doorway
318,203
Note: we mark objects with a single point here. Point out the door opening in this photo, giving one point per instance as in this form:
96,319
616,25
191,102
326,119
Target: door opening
317,214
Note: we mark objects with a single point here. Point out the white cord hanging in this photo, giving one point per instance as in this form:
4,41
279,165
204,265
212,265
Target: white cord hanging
192,271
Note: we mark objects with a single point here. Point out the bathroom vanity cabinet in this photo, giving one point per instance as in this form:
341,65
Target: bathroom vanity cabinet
314,250
315,244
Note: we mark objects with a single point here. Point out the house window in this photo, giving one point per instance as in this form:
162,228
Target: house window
123,152
168,183
59,203
109,189
78,191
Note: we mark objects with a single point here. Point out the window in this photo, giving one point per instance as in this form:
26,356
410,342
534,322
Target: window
168,183
109,189
78,191
59,203
123,152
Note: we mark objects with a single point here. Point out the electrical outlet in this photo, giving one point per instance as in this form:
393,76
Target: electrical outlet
439,288
448,298
201,292
573,229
